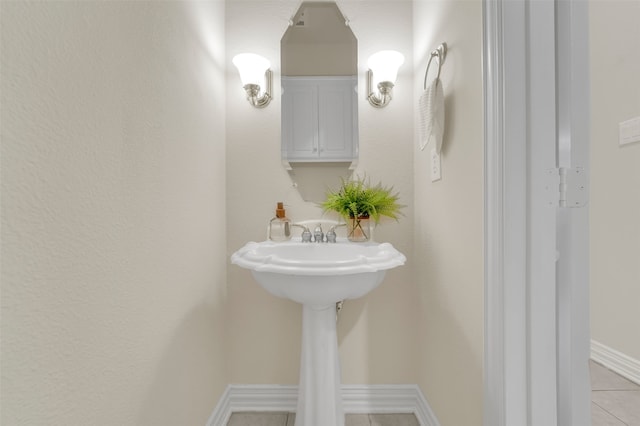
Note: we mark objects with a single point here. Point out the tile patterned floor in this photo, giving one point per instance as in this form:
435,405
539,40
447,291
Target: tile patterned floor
288,419
615,401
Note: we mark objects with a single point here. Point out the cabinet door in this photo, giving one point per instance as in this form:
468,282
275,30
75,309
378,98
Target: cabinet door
299,120
336,135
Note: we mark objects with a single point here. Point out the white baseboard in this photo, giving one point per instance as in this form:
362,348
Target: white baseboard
622,364
357,399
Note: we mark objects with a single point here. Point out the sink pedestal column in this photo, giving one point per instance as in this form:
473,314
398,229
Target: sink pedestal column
319,394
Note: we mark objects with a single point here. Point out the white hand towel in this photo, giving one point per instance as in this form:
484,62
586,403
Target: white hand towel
432,115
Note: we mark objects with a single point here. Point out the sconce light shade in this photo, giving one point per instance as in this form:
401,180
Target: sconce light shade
251,67
383,67
254,72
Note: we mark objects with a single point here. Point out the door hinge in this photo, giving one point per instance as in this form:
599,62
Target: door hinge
567,187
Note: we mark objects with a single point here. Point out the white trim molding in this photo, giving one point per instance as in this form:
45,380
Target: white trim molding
358,399
505,237
494,207
622,364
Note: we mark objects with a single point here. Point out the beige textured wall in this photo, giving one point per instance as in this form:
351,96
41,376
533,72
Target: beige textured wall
377,334
113,212
448,217
615,176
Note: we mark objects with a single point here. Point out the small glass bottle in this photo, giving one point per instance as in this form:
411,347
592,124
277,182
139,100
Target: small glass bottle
280,226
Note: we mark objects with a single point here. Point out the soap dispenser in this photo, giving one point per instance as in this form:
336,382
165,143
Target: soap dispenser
280,226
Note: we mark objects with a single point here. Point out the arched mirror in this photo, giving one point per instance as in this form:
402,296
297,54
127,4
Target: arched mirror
319,87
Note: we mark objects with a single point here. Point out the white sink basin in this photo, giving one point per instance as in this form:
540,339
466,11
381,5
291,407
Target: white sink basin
318,274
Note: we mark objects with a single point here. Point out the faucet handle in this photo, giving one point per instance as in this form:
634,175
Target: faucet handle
306,235
331,233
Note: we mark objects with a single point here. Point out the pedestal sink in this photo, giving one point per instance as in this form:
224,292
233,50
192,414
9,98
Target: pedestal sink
318,275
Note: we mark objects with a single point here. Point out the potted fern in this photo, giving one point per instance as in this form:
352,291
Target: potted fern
359,202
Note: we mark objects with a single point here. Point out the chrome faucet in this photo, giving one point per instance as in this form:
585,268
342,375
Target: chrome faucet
305,235
318,235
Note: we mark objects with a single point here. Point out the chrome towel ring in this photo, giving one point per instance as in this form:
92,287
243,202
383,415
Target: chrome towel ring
440,53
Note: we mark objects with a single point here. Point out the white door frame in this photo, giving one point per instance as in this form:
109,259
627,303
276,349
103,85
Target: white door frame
574,117
536,334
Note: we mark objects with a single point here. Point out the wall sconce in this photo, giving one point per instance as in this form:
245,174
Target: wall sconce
254,71
384,67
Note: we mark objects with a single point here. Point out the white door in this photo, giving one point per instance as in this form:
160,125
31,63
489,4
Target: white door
536,118
299,119
336,105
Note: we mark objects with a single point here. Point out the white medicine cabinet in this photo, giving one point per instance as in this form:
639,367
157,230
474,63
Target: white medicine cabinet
319,119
